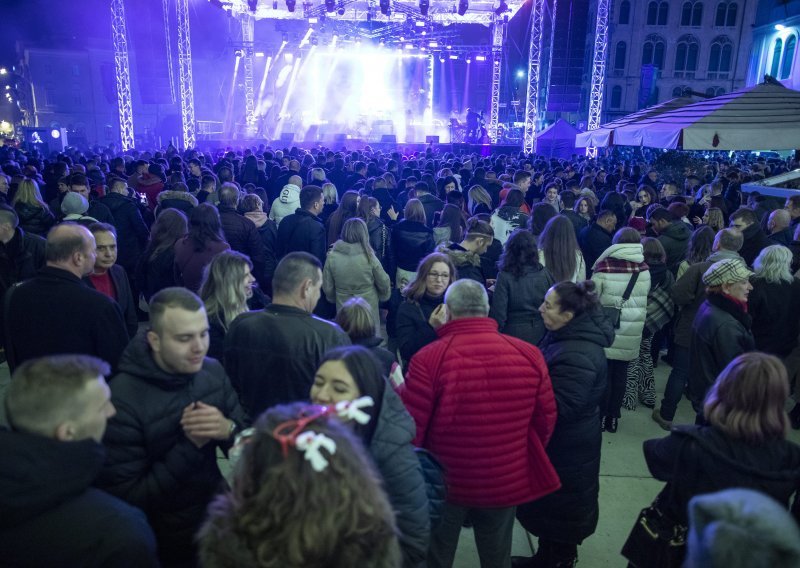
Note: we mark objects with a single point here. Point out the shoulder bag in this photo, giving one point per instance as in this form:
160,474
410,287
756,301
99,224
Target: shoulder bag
613,313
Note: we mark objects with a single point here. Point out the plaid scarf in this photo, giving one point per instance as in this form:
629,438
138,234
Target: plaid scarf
616,265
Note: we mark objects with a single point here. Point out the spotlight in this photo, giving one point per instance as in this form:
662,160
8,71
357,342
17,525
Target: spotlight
433,44
385,7
290,5
454,57
252,5
503,7
520,73
238,53
441,58
340,8
3,71
313,20
423,7
330,5
779,27
469,60
55,133
260,54
463,6
480,58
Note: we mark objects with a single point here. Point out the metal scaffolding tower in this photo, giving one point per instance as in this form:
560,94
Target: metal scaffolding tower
120,38
248,22
534,69
167,30
598,69
185,73
498,36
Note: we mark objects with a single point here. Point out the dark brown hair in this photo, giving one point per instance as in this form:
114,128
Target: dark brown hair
415,289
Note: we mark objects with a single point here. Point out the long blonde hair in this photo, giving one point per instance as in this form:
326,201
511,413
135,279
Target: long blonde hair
221,289
28,193
355,231
477,194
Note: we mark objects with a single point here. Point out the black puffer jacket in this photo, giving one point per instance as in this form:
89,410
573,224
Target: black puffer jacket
386,357
516,301
706,461
53,517
151,463
431,204
720,332
775,309
271,355
593,239
156,273
34,220
411,242
379,240
20,259
394,456
577,365
675,240
132,232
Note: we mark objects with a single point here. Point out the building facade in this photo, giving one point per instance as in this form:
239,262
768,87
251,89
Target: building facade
658,49
775,36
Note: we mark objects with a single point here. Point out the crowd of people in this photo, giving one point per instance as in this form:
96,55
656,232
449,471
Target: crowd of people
385,348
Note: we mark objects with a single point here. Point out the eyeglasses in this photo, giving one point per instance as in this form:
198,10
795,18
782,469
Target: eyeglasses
438,276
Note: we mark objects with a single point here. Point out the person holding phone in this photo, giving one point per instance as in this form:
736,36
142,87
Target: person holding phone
423,311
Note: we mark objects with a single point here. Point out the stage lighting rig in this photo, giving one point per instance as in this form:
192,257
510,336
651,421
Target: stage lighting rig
423,7
290,5
252,5
330,5
386,9
503,7
463,6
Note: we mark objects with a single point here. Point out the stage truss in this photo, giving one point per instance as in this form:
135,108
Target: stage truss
185,73
534,71
598,69
123,73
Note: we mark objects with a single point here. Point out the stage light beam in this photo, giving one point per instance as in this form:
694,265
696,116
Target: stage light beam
463,6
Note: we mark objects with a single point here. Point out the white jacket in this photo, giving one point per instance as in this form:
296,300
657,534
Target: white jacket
610,288
286,203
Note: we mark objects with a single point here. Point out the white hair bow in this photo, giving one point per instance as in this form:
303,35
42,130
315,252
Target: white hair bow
351,409
311,444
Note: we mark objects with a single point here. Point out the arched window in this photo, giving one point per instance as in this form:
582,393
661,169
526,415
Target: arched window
692,14
652,13
686,56
788,57
715,91
624,12
657,13
776,57
619,55
653,51
663,13
616,96
726,14
719,59
678,91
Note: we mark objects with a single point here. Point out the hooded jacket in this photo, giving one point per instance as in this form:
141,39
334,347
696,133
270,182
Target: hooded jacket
675,240
706,460
302,231
180,200
33,219
287,202
350,273
506,220
576,360
410,242
393,454
487,423
593,240
242,236
612,273
467,263
52,516
775,308
151,463
132,232
516,301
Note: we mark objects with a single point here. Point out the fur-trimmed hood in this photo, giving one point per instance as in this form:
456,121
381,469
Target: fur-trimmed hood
181,195
460,257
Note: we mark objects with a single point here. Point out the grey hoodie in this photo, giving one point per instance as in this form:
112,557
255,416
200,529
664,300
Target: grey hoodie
286,203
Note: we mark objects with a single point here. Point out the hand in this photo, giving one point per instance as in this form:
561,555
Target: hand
438,317
202,421
393,215
490,282
697,221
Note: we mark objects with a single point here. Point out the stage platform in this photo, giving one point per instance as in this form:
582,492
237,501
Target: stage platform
405,148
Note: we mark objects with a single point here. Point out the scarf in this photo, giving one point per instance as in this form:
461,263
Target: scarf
731,306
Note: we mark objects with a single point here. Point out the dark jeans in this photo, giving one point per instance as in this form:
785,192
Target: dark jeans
615,389
492,528
676,383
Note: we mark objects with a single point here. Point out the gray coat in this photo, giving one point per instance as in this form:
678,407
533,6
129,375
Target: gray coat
348,273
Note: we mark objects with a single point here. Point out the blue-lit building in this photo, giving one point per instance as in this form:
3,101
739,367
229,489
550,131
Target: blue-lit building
776,33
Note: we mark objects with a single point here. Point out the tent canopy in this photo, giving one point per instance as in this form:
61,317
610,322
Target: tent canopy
557,140
761,117
604,136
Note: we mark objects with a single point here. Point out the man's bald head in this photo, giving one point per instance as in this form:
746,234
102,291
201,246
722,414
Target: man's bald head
72,247
294,165
778,220
296,180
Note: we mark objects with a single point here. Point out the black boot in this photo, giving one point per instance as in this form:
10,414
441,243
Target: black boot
603,424
611,424
563,555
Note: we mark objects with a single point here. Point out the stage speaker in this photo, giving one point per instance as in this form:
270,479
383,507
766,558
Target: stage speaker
287,137
389,139
340,137
312,134
431,140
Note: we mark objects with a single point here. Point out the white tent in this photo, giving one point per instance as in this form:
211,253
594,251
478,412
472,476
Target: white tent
761,117
557,140
604,136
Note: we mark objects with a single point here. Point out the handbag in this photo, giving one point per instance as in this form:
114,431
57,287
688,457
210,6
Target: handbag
656,541
614,313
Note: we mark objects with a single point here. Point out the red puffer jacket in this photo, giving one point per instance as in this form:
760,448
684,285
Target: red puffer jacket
483,404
